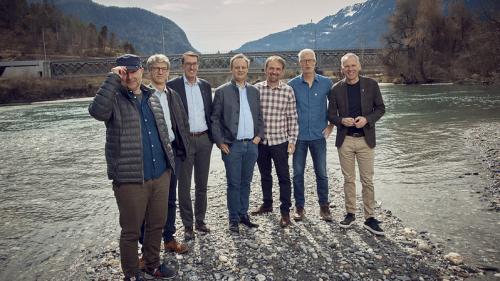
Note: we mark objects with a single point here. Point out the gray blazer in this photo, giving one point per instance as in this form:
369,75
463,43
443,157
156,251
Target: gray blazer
372,108
226,112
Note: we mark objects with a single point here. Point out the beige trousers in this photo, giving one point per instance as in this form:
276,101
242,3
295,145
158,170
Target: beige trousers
355,149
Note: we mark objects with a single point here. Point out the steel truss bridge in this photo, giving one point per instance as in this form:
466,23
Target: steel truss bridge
217,64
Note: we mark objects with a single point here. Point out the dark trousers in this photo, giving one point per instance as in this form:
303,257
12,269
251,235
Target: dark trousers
200,151
169,228
279,155
138,203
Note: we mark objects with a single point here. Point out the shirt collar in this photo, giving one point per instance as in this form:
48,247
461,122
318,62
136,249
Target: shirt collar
236,85
280,84
315,78
186,81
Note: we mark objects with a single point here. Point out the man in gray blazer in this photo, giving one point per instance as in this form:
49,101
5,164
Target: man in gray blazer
196,96
355,104
237,128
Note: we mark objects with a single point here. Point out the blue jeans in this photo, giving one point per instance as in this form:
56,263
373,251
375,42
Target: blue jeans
318,154
239,165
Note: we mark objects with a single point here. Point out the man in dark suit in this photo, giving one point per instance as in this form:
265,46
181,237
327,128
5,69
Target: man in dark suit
237,128
355,104
196,96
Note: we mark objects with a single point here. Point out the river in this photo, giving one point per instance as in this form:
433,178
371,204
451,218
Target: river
57,209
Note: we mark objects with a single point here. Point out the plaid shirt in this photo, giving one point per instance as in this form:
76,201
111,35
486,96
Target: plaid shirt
279,111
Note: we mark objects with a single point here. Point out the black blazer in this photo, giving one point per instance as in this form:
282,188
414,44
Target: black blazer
177,85
226,112
372,108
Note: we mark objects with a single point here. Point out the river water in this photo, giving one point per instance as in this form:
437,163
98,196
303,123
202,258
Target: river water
57,208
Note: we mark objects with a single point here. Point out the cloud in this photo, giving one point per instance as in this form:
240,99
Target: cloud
173,7
231,2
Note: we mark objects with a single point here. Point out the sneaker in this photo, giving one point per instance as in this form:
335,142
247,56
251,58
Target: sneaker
372,225
174,246
188,233
348,220
162,273
324,213
299,214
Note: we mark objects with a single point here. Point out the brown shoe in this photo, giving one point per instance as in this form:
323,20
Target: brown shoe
285,220
142,263
174,246
202,227
299,214
188,233
261,210
324,213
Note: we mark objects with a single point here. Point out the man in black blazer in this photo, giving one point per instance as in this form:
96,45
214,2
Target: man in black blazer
355,104
237,128
196,96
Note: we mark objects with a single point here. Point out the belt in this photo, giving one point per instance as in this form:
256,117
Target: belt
197,134
245,140
356,135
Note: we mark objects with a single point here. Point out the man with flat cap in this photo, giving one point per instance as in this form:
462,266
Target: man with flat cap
140,162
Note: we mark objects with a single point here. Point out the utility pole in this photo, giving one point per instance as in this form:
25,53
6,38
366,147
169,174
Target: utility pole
43,39
163,38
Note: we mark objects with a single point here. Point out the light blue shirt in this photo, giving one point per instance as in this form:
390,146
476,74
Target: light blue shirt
196,110
311,105
162,95
245,123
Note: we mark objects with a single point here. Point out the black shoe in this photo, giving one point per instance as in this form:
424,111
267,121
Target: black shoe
348,220
372,225
188,233
234,227
246,221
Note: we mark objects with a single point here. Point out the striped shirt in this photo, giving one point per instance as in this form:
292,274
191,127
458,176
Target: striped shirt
279,112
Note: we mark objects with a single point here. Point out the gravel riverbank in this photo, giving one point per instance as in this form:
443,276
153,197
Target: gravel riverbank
485,139
308,250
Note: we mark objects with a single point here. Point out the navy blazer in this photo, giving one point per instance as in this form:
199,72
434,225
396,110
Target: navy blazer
372,108
226,112
177,84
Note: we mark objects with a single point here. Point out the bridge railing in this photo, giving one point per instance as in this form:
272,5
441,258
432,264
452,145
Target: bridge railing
216,63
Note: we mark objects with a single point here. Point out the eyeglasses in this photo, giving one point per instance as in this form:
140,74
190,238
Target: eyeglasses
305,61
190,64
157,69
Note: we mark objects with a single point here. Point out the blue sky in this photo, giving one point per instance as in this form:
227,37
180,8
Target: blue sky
223,25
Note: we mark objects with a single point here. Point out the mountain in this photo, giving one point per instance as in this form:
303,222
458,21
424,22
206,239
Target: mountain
358,26
140,27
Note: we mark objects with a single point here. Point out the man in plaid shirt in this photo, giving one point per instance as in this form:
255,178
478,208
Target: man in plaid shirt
279,112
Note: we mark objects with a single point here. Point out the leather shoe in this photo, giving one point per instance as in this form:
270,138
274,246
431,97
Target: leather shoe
188,233
246,221
299,214
202,227
261,210
234,227
174,246
285,220
324,213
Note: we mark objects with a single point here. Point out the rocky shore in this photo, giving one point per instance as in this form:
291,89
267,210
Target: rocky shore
485,139
308,250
